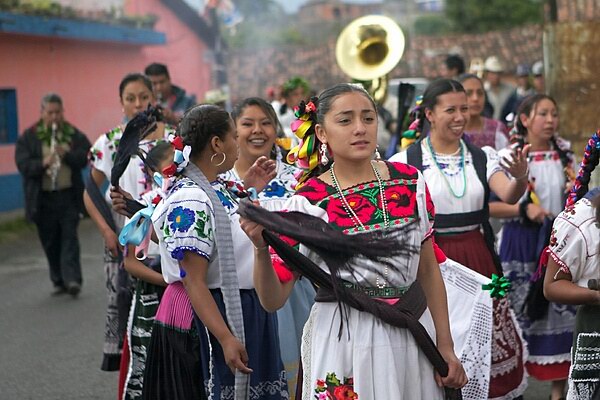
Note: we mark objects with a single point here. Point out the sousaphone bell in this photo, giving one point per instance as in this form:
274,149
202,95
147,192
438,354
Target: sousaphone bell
368,49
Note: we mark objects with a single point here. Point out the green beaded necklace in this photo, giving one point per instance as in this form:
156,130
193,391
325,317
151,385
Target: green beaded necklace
462,164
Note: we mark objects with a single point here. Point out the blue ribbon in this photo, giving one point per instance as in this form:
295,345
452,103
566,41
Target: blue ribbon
135,231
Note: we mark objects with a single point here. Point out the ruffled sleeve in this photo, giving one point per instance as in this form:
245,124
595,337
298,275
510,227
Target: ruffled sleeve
187,224
493,164
104,150
574,239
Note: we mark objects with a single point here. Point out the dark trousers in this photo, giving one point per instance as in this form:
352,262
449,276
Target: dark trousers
57,221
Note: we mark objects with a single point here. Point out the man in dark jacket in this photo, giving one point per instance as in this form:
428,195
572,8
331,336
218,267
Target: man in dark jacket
171,98
50,156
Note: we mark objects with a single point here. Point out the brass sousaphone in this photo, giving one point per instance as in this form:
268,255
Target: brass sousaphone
368,49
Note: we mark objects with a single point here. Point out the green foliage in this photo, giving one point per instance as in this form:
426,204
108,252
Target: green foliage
432,25
50,8
476,16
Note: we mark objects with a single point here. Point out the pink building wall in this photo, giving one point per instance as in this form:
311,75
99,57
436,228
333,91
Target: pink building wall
86,74
184,53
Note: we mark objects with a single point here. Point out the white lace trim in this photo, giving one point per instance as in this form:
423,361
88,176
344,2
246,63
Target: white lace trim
306,356
547,360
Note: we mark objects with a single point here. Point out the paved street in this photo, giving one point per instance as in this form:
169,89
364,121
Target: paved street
50,347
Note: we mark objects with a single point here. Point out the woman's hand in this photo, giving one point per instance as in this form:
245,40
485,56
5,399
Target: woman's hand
536,213
260,173
111,242
118,196
517,165
235,355
254,232
457,377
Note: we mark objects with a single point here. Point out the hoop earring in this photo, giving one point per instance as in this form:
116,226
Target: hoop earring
323,154
222,161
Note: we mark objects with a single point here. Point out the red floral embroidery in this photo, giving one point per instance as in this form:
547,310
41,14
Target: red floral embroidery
400,201
404,169
314,190
362,207
331,388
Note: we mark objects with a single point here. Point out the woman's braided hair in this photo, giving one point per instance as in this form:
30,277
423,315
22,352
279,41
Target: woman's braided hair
591,156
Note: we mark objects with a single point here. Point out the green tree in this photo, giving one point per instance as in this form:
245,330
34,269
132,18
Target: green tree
486,15
432,25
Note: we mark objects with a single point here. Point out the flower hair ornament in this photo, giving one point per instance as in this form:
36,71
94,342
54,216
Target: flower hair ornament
591,156
306,154
412,134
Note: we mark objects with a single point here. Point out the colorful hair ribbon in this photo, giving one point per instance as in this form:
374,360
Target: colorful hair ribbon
305,155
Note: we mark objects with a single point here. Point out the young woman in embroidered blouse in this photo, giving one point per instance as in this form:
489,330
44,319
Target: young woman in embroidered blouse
204,251
572,263
463,173
135,94
357,194
549,330
481,131
257,129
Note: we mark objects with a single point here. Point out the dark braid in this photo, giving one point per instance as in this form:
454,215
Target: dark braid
591,156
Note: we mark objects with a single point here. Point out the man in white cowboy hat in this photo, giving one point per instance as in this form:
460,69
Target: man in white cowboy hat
498,93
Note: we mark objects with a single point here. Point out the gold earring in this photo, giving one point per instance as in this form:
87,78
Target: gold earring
222,161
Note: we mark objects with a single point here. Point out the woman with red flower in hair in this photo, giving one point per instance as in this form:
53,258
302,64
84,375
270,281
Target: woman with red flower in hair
349,353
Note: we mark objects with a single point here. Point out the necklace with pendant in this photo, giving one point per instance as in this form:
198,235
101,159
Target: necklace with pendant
352,214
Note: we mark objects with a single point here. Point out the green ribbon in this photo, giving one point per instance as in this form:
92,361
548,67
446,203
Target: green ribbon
498,287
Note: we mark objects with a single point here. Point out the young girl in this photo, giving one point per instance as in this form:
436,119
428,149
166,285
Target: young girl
574,261
481,131
149,285
368,358
525,234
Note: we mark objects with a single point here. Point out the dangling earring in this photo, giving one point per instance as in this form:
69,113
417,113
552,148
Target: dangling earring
377,155
222,161
323,151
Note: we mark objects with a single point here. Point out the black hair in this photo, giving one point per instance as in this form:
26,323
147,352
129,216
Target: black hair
328,96
155,69
433,91
200,123
51,98
526,107
157,154
323,104
134,77
465,77
454,61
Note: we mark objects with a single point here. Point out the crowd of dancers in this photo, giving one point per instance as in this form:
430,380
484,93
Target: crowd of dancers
250,260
